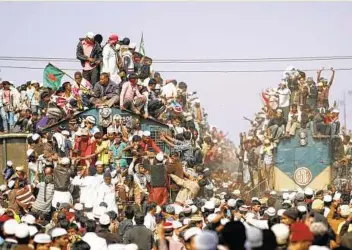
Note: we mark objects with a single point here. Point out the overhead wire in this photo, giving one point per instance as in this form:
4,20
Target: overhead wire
195,61
184,71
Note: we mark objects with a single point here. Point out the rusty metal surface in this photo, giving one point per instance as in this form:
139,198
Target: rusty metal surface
13,147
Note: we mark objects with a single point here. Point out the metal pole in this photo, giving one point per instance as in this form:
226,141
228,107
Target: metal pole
344,112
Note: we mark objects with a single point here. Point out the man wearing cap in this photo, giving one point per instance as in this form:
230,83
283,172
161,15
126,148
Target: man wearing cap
90,55
158,190
148,143
284,95
7,106
117,155
60,239
62,174
107,193
293,121
189,187
130,97
127,59
8,171
9,230
276,126
110,58
103,231
106,92
169,90
42,242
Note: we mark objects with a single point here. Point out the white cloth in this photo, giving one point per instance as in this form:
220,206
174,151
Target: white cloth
149,222
60,139
110,63
94,241
61,197
88,188
107,194
284,97
169,91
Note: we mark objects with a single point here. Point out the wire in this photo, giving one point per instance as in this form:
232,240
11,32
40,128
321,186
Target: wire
186,71
195,61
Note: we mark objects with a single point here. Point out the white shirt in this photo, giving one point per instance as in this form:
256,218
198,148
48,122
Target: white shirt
110,63
88,188
94,241
169,91
107,194
284,97
149,222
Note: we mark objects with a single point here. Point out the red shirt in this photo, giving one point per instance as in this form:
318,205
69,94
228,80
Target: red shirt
149,144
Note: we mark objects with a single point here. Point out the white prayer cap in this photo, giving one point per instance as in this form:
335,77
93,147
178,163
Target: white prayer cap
42,239
22,231
211,217
3,187
90,119
104,220
327,198
191,233
32,231
78,207
65,132
271,211
160,156
146,133
28,219
237,192
35,137
99,163
90,35
10,227
9,163
282,232
57,232
337,196
65,161
132,46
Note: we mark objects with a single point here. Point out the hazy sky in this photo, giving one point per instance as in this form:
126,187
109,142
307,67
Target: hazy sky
195,30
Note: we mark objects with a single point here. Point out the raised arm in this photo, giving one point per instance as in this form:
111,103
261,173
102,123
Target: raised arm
332,76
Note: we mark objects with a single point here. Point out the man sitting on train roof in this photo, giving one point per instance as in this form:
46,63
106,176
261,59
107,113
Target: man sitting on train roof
106,92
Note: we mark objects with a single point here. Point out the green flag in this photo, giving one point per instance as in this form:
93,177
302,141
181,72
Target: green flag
141,46
52,77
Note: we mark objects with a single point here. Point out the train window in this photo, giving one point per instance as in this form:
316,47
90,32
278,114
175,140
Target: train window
155,135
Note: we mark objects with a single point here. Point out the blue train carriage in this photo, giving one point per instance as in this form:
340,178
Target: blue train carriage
303,161
104,118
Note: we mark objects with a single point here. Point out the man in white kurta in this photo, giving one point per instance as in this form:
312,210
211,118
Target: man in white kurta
107,194
110,59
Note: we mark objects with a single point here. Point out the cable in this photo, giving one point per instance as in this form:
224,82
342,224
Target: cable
195,61
187,71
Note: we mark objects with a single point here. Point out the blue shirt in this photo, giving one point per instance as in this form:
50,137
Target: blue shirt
116,149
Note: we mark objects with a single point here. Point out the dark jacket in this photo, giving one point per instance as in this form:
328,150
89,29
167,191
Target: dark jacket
124,226
111,90
144,72
109,237
8,172
97,52
62,178
141,236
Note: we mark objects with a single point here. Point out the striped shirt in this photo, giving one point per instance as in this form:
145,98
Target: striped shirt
25,197
40,204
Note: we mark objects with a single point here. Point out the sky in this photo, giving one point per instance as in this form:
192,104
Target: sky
191,30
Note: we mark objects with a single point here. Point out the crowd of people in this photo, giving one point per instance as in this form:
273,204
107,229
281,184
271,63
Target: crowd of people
298,103
87,187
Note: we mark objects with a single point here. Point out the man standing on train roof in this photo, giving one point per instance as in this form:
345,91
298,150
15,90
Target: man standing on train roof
90,54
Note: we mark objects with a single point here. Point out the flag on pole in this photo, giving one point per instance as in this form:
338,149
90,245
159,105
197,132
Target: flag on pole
52,77
141,46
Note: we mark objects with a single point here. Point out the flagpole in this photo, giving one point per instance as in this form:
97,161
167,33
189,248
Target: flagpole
80,86
344,112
